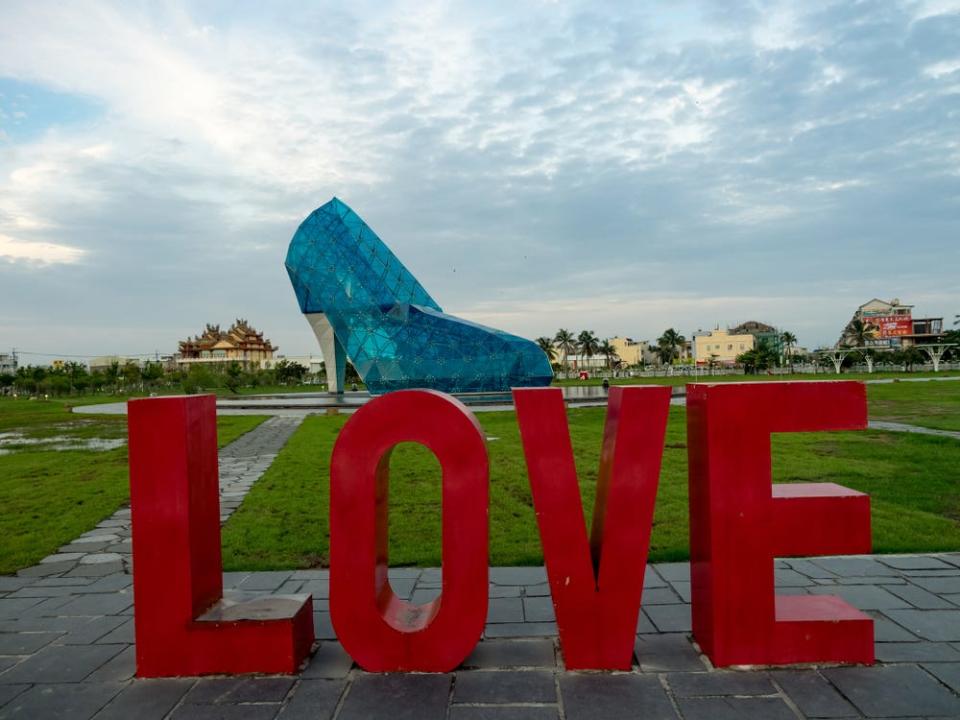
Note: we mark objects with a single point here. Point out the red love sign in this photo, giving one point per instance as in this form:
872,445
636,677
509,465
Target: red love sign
739,522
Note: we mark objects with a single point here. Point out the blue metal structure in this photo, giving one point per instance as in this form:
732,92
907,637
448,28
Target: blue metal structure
363,304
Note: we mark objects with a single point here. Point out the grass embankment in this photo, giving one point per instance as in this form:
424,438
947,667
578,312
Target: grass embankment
50,496
928,404
283,523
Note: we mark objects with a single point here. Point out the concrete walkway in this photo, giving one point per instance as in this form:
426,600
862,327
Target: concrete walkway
66,651
903,427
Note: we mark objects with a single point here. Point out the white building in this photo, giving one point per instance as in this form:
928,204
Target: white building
312,363
8,364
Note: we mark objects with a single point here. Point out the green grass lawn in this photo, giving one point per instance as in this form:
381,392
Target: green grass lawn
284,523
50,496
684,379
929,404
176,390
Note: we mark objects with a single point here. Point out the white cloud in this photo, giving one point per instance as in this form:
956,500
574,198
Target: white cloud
779,29
944,67
42,253
934,8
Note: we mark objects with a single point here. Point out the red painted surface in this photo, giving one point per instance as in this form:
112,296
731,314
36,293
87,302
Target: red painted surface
739,522
596,584
379,630
183,626
819,519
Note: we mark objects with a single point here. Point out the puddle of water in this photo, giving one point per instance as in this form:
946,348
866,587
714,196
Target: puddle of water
12,441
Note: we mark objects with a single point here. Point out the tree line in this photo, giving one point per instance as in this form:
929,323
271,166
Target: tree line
670,346
73,378
585,344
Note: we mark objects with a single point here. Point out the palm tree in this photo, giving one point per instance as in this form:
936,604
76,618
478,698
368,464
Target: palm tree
549,349
759,358
669,344
789,340
566,343
859,332
587,344
609,352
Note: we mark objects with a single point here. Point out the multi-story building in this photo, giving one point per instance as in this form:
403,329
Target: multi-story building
311,363
889,325
629,353
720,346
632,352
578,363
8,364
241,343
761,333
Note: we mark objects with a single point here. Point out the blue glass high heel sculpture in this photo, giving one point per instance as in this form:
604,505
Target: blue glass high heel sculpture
363,304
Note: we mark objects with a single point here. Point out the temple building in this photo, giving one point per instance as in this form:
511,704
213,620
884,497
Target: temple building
241,343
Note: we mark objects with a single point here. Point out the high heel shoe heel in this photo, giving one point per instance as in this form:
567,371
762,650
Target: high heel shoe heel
363,304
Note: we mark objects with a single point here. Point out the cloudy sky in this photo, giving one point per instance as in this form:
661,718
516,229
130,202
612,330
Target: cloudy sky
623,167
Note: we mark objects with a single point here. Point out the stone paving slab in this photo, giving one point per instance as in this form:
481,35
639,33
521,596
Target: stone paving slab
66,651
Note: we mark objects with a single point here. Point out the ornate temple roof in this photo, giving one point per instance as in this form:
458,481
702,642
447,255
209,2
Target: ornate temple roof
241,335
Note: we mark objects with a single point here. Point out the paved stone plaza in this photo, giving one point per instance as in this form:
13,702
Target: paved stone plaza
66,651
66,634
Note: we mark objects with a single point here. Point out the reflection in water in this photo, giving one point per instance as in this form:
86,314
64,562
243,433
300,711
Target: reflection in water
13,441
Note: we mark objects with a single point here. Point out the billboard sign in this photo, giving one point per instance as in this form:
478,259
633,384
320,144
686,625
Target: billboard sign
890,326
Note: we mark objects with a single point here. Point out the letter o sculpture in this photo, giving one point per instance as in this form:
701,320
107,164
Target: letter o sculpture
382,632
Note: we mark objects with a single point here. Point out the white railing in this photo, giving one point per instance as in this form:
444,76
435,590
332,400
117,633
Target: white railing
798,369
